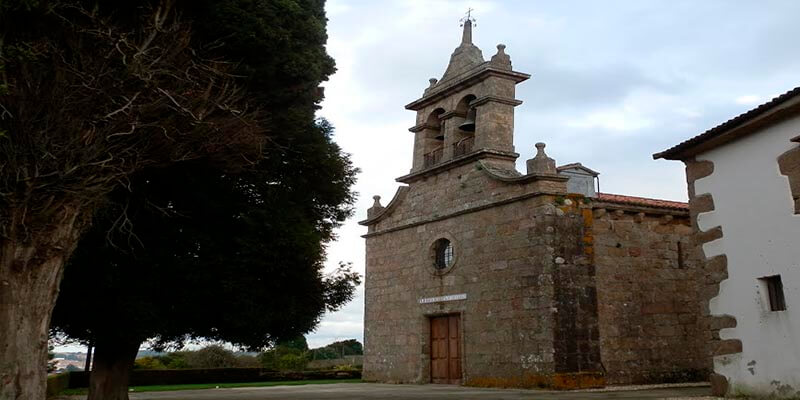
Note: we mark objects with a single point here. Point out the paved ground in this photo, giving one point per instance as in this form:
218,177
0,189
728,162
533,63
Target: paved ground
356,391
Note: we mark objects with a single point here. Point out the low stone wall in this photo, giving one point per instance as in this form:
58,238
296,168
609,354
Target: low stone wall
347,360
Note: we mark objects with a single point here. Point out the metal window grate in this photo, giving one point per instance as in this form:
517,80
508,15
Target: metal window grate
775,292
463,146
444,254
432,158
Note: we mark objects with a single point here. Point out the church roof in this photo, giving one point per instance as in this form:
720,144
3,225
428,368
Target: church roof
642,201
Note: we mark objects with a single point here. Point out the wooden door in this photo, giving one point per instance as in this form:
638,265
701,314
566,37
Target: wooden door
445,350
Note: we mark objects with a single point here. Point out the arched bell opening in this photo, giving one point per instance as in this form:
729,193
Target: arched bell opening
465,134
433,139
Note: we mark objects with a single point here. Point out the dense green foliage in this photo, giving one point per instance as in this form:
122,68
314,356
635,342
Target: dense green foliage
212,356
288,355
217,256
350,347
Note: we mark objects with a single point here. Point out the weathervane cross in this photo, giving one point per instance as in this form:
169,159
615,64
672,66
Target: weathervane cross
468,17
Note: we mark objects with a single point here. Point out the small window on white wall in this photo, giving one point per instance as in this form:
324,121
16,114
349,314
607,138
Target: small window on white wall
774,288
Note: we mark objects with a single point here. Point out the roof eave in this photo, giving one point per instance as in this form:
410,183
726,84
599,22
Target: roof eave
771,112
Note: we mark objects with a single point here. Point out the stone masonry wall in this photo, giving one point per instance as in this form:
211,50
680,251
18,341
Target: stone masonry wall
576,331
714,271
552,286
649,279
507,237
503,266
789,165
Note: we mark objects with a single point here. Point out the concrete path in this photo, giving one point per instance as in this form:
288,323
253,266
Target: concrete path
357,391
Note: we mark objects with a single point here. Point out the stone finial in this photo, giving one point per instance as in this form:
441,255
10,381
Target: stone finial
501,60
376,207
433,82
541,163
466,36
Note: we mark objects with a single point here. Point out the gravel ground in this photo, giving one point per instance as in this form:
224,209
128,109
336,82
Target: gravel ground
365,391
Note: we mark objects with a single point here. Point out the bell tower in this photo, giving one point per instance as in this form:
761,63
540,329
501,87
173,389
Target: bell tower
468,114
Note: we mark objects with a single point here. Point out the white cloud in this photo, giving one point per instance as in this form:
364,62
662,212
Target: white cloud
748,100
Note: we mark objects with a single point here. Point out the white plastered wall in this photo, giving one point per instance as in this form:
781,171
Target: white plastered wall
761,237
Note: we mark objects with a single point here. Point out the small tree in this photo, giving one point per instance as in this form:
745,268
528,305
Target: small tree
289,355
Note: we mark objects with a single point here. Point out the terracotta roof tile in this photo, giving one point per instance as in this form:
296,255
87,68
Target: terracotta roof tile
642,201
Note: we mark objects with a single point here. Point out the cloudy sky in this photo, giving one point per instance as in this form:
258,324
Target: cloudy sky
612,83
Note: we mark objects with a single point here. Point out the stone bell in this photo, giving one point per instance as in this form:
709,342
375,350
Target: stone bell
469,122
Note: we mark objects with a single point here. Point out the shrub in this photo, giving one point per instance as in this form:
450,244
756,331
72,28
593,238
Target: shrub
247,361
148,363
292,362
284,359
175,360
57,383
214,356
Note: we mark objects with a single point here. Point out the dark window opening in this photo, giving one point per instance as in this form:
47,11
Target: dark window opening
444,254
433,141
680,254
775,292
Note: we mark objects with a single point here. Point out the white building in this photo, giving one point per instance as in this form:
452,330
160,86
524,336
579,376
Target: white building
744,190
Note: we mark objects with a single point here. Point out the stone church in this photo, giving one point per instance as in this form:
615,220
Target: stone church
478,274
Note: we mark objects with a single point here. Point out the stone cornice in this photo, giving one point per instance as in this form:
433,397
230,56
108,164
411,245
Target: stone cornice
461,160
464,80
422,126
495,99
464,211
451,114
488,170
493,173
401,193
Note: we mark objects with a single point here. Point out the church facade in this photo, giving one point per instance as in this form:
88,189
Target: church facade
478,274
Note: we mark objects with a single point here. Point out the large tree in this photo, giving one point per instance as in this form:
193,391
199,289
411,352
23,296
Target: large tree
95,91
232,257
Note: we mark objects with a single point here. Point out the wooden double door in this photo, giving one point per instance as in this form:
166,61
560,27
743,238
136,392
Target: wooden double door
446,349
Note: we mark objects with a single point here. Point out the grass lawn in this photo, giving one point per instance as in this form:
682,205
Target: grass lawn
194,386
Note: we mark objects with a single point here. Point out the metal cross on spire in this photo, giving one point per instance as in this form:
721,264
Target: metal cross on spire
468,17
467,22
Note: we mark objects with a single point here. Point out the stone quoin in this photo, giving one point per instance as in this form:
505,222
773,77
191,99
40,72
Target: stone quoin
743,180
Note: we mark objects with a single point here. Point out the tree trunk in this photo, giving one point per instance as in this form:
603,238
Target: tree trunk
30,272
113,362
88,366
